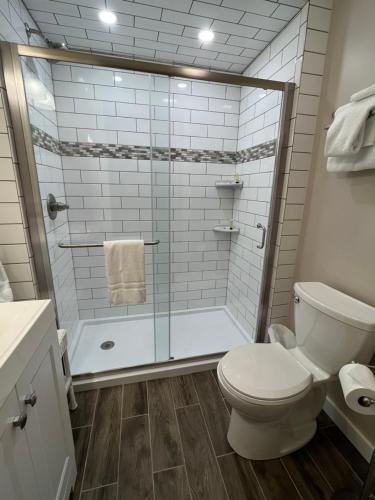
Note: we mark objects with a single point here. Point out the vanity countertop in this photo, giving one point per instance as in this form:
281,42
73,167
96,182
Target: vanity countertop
22,327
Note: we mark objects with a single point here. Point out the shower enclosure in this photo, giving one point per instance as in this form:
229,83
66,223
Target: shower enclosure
186,160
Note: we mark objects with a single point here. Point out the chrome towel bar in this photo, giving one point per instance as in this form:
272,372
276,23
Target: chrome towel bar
98,245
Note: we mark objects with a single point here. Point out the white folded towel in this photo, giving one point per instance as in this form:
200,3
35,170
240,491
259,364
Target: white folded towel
363,94
363,160
125,269
369,137
6,294
346,133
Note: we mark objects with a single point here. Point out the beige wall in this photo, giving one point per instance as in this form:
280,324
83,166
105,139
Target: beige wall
338,238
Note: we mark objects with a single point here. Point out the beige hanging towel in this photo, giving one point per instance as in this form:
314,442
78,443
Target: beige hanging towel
125,270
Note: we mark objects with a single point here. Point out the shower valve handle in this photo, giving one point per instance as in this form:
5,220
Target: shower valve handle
54,206
59,207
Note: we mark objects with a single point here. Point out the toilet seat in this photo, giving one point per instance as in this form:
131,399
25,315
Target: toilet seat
264,374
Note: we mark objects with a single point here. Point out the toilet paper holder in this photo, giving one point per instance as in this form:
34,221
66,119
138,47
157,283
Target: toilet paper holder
365,401
365,493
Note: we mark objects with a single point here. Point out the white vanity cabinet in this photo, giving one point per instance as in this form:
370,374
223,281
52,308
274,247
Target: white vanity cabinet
36,443
17,478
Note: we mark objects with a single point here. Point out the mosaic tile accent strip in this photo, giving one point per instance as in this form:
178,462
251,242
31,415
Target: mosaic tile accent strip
97,149
257,152
44,140
143,153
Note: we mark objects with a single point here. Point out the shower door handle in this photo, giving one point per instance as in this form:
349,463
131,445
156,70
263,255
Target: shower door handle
264,232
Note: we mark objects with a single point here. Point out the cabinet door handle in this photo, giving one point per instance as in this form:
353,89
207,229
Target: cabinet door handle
264,230
20,420
31,399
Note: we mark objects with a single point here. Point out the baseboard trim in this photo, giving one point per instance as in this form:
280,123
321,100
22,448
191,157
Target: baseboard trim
351,431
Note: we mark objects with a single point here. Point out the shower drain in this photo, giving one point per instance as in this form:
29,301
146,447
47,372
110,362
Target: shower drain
108,344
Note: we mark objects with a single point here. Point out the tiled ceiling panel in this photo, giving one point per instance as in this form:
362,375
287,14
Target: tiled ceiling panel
167,30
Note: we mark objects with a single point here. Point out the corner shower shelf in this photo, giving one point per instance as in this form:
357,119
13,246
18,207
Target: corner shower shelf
229,184
226,229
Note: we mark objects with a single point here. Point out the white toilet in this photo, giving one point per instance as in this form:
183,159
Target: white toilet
276,390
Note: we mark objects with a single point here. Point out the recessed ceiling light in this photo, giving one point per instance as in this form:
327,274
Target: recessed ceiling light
118,78
107,17
206,35
182,85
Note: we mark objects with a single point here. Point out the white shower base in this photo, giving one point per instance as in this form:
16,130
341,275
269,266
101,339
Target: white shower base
194,332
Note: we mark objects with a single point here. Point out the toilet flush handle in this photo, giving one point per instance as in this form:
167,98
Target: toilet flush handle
296,299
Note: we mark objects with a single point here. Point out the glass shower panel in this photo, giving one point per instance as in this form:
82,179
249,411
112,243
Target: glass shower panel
159,100
101,144
204,121
41,103
258,136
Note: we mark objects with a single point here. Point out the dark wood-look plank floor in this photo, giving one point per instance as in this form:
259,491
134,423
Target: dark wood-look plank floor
172,484
324,420
201,465
307,478
239,478
274,480
327,463
331,463
84,414
103,453
214,411
134,401
166,445
183,391
104,493
135,474
347,450
81,437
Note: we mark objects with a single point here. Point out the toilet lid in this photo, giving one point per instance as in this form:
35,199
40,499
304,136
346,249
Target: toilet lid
264,371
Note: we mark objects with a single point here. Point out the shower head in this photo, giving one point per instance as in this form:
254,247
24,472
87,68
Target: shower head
56,45
51,45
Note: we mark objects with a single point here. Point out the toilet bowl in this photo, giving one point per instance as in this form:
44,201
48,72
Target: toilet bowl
276,391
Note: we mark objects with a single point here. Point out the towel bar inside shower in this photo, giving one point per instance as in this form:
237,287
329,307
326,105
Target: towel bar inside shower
98,245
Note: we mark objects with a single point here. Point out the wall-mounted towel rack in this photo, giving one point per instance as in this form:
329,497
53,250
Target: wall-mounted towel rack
98,245
372,113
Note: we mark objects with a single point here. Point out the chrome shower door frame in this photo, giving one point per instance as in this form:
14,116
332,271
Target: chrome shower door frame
13,79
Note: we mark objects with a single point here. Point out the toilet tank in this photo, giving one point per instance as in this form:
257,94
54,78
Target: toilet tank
332,328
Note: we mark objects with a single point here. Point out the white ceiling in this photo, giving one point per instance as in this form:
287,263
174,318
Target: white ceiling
167,30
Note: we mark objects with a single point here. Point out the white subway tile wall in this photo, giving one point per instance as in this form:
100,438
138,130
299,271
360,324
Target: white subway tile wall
111,197
297,55
258,122
113,107
251,206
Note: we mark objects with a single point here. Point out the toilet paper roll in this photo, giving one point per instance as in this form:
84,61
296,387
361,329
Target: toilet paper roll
357,381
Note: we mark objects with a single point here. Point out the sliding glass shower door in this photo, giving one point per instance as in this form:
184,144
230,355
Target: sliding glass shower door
188,166
101,146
